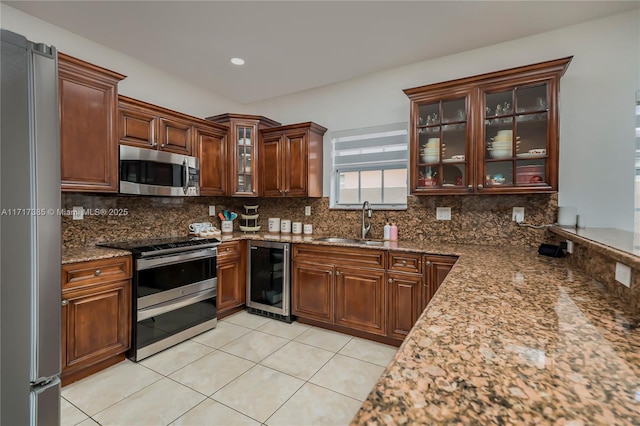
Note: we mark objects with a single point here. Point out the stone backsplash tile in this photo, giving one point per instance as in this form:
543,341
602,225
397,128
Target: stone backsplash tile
600,264
475,218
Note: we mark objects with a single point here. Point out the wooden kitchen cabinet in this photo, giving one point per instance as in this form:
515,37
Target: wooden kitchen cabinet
242,151
312,290
212,143
405,282
360,299
88,126
96,315
291,161
344,292
232,273
405,303
491,133
150,126
436,270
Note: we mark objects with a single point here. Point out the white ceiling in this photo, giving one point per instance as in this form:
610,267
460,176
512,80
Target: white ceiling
291,46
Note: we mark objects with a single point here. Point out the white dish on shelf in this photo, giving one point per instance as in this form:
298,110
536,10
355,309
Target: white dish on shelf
452,160
529,155
249,228
249,216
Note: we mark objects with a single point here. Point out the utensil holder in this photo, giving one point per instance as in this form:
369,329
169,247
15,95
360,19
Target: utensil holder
227,226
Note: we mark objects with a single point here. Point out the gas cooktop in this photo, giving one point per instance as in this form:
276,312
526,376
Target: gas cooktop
162,245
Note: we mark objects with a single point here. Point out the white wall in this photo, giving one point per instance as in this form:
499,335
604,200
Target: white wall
596,108
143,81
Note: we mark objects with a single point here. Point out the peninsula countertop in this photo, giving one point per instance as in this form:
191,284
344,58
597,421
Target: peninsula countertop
510,337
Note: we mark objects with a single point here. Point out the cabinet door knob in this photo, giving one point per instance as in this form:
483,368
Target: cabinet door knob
470,187
404,263
480,186
98,272
337,272
162,146
427,263
390,280
227,249
65,302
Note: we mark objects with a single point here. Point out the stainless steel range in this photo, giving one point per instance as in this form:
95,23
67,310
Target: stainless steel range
174,291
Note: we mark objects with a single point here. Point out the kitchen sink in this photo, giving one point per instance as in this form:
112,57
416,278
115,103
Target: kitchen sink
349,241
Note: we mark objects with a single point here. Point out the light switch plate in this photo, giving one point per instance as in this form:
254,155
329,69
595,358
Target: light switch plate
443,213
518,214
212,210
307,210
623,274
78,213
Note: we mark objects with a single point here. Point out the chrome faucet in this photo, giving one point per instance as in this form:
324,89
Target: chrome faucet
366,207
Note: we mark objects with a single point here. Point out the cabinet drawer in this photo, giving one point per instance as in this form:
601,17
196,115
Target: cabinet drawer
229,250
405,262
370,258
96,271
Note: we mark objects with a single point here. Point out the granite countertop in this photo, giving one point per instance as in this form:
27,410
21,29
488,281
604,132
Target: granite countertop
513,338
510,337
86,253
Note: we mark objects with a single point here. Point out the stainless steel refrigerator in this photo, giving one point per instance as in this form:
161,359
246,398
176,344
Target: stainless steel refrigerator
30,234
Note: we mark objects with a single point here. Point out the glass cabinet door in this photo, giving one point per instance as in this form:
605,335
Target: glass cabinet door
245,153
516,129
441,129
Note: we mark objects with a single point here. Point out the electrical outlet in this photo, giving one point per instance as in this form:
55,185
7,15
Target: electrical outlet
307,210
623,274
443,213
212,210
518,214
78,213
569,246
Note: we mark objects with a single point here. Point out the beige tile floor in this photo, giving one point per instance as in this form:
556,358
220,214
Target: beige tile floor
250,370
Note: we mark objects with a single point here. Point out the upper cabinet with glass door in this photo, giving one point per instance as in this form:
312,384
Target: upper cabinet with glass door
492,133
440,152
243,151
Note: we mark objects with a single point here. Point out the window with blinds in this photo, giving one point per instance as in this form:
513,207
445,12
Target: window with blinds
370,164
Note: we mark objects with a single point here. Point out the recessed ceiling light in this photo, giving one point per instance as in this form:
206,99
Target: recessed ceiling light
237,61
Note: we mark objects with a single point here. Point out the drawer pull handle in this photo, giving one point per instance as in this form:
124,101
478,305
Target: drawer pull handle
65,302
227,249
404,263
98,272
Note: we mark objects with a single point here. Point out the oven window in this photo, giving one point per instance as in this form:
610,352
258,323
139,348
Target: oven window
162,326
152,173
168,277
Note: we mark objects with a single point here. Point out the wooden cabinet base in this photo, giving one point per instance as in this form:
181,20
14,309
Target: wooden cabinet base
69,377
350,331
228,312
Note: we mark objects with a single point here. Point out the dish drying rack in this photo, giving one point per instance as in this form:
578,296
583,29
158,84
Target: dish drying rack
250,217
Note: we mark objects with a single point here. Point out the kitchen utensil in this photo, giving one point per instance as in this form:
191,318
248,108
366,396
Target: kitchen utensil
221,216
233,215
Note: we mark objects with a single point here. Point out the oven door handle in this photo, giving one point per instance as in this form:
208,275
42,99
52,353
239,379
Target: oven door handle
180,302
151,262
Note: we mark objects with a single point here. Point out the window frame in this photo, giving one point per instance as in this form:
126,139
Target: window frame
382,165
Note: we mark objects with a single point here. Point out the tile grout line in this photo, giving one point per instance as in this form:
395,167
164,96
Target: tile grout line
308,328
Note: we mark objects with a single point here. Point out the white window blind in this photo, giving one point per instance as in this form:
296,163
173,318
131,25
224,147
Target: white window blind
370,164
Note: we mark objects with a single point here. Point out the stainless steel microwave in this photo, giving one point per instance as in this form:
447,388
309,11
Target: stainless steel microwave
149,172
